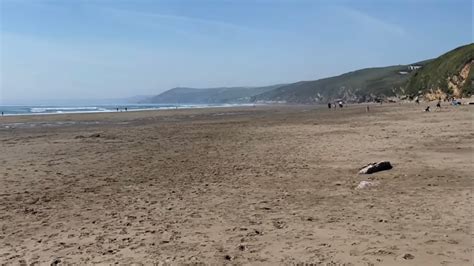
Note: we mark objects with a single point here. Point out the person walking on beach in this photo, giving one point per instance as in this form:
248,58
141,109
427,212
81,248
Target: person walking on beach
367,109
126,109
329,105
438,105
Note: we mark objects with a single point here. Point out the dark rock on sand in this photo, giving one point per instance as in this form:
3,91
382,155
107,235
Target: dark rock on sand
375,167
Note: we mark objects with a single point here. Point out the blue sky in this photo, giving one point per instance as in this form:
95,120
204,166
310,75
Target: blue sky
111,49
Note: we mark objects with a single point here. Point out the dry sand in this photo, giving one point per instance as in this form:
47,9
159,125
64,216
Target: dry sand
264,185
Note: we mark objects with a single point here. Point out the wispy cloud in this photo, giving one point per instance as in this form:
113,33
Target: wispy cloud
370,21
157,19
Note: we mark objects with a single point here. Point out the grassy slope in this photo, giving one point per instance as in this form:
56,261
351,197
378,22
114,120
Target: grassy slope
434,74
358,85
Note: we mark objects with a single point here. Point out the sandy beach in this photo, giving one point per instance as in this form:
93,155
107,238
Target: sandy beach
249,185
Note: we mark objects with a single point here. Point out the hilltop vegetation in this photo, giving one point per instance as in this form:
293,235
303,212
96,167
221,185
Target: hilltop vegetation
446,76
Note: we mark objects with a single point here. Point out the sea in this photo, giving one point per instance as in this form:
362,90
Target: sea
9,110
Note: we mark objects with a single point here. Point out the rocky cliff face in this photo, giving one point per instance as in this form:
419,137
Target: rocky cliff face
456,84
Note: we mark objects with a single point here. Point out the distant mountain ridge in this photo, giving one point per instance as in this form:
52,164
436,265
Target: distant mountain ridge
449,75
183,95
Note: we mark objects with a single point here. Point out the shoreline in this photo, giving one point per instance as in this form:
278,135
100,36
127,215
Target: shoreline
257,105
113,108
465,101
114,117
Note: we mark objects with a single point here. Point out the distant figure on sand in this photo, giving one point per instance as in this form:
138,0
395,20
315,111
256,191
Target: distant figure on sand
117,109
329,105
367,109
455,102
2,113
438,105
417,101
126,109
340,105
427,109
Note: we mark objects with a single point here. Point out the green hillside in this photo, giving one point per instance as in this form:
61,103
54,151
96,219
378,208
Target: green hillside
451,74
448,75
357,86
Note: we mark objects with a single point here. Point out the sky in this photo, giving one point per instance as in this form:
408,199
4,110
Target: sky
95,49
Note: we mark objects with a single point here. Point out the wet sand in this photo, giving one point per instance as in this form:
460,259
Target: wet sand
263,185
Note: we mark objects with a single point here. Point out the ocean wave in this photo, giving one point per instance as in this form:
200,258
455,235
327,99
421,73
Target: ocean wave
49,110
66,109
